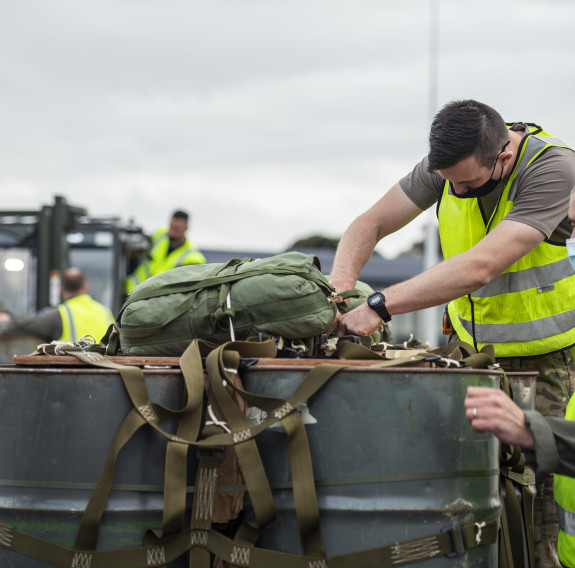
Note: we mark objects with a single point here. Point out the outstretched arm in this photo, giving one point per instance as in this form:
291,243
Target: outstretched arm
452,278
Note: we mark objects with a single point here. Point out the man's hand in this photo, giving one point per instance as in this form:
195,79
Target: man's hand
491,410
359,321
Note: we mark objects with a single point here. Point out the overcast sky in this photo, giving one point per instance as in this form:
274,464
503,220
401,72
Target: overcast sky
269,120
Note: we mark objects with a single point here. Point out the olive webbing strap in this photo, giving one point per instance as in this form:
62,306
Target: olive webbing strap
54,554
175,475
87,535
517,535
176,465
202,507
528,501
175,489
505,553
458,351
314,380
305,498
176,458
221,373
221,365
176,453
514,523
453,542
153,413
307,511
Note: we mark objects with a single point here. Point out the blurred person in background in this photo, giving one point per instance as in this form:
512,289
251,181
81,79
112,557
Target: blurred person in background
78,314
169,248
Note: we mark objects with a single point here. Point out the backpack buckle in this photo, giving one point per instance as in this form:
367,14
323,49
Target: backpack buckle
457,542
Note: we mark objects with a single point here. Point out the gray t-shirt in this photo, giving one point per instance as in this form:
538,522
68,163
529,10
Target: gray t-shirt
543,192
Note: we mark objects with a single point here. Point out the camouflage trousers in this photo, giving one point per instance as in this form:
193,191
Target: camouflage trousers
555,385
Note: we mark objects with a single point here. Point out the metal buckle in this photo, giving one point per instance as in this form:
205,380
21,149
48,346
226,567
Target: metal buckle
210,451
457,543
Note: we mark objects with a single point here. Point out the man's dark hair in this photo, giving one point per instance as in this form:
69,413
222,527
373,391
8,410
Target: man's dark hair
73,280
179,214
462,129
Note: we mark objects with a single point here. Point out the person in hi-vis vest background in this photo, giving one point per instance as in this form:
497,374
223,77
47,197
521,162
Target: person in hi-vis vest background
78,314
169,248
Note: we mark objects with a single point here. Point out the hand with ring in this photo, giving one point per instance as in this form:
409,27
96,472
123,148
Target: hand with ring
491,410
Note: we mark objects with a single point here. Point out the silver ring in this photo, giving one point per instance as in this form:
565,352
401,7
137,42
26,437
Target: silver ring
474,412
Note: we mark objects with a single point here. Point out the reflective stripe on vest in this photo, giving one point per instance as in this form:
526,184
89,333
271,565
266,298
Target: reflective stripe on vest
566,520
68,327
565,500
82,315
530,308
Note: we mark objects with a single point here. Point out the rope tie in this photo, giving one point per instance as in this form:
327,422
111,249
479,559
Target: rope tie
450,362
215,421
230,314
479,527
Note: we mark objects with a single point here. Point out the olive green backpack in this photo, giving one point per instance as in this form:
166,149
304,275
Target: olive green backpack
285,296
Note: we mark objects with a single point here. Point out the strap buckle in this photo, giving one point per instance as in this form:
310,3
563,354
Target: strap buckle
457,542
211,451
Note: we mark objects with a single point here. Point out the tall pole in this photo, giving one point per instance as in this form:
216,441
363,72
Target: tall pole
433,56
432,317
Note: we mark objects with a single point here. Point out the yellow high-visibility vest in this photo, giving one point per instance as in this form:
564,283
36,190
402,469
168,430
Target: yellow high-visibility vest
565,500
530,308
160,261
82,315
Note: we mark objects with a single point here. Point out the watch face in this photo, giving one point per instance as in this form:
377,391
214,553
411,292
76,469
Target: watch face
374,300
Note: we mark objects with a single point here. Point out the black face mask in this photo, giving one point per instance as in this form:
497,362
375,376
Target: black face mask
480,191
487,187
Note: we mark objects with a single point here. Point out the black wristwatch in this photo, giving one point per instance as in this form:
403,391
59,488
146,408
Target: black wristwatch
376,302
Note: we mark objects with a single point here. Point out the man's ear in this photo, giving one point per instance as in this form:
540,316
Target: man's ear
506,156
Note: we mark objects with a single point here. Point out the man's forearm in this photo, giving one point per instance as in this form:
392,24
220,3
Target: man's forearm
438,285
353,252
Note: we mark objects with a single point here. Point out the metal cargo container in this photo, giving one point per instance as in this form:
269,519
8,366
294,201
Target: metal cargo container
393,455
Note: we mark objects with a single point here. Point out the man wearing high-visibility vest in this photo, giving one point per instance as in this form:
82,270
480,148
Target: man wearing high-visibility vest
548,443
77,316
501,193
169,248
